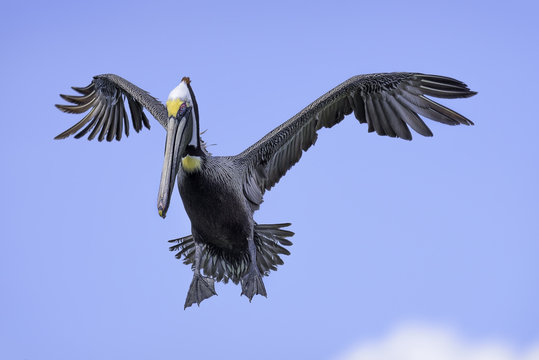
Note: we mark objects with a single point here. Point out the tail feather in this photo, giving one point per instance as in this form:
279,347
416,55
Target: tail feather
269,240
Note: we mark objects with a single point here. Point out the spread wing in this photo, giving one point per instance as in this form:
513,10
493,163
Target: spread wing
389,103
105,99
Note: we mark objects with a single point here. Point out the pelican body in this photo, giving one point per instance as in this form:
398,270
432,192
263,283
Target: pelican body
221,193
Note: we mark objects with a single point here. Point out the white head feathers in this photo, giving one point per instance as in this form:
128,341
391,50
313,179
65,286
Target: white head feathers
181,92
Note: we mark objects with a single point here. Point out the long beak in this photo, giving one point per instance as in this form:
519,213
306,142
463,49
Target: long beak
177,140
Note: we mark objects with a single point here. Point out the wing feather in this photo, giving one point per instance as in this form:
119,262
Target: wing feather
78,100
105,97
384,120
115,119
100,122
81,123
135,115
86,129
125,122
83,90
396,122
376,123
106,123
410,117
389,103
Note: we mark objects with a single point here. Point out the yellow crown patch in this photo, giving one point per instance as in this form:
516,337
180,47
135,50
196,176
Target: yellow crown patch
173,106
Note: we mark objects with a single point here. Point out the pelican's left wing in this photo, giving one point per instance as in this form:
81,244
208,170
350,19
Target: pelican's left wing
388,103
104,98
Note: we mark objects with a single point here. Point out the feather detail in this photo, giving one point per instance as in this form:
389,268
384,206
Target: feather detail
389,103
104,97
217,263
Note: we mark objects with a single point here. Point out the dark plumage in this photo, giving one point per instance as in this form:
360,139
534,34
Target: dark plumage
221,194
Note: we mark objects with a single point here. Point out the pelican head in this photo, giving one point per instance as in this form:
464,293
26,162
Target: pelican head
182,133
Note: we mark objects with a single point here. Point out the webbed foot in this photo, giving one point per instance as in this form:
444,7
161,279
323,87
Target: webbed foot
252,284
201,288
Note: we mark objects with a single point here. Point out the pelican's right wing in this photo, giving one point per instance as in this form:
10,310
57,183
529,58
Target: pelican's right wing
389,103
105,97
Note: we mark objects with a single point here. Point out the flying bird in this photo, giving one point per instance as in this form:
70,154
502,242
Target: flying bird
221,193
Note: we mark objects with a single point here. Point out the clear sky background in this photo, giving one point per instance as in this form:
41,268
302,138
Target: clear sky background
440,230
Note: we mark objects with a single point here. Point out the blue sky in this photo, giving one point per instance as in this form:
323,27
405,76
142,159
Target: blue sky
441,230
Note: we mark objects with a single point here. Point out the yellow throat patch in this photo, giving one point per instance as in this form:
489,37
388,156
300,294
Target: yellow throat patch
173,106
191,163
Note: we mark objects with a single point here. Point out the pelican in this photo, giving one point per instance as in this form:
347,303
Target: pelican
221,193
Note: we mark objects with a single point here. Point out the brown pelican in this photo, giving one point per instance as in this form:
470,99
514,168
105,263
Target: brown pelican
221,193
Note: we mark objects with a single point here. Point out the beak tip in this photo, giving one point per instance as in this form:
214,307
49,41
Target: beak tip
162,213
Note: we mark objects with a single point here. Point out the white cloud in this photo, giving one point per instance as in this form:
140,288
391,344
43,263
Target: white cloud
425,342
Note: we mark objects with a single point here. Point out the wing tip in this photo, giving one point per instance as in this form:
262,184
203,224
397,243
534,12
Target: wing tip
73,109
60,107
60,137
467,93
66,98
65,108
407,138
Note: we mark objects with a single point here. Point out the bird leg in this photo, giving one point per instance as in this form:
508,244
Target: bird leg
202,287
251,283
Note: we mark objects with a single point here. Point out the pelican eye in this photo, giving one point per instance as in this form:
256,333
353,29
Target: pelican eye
182,109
